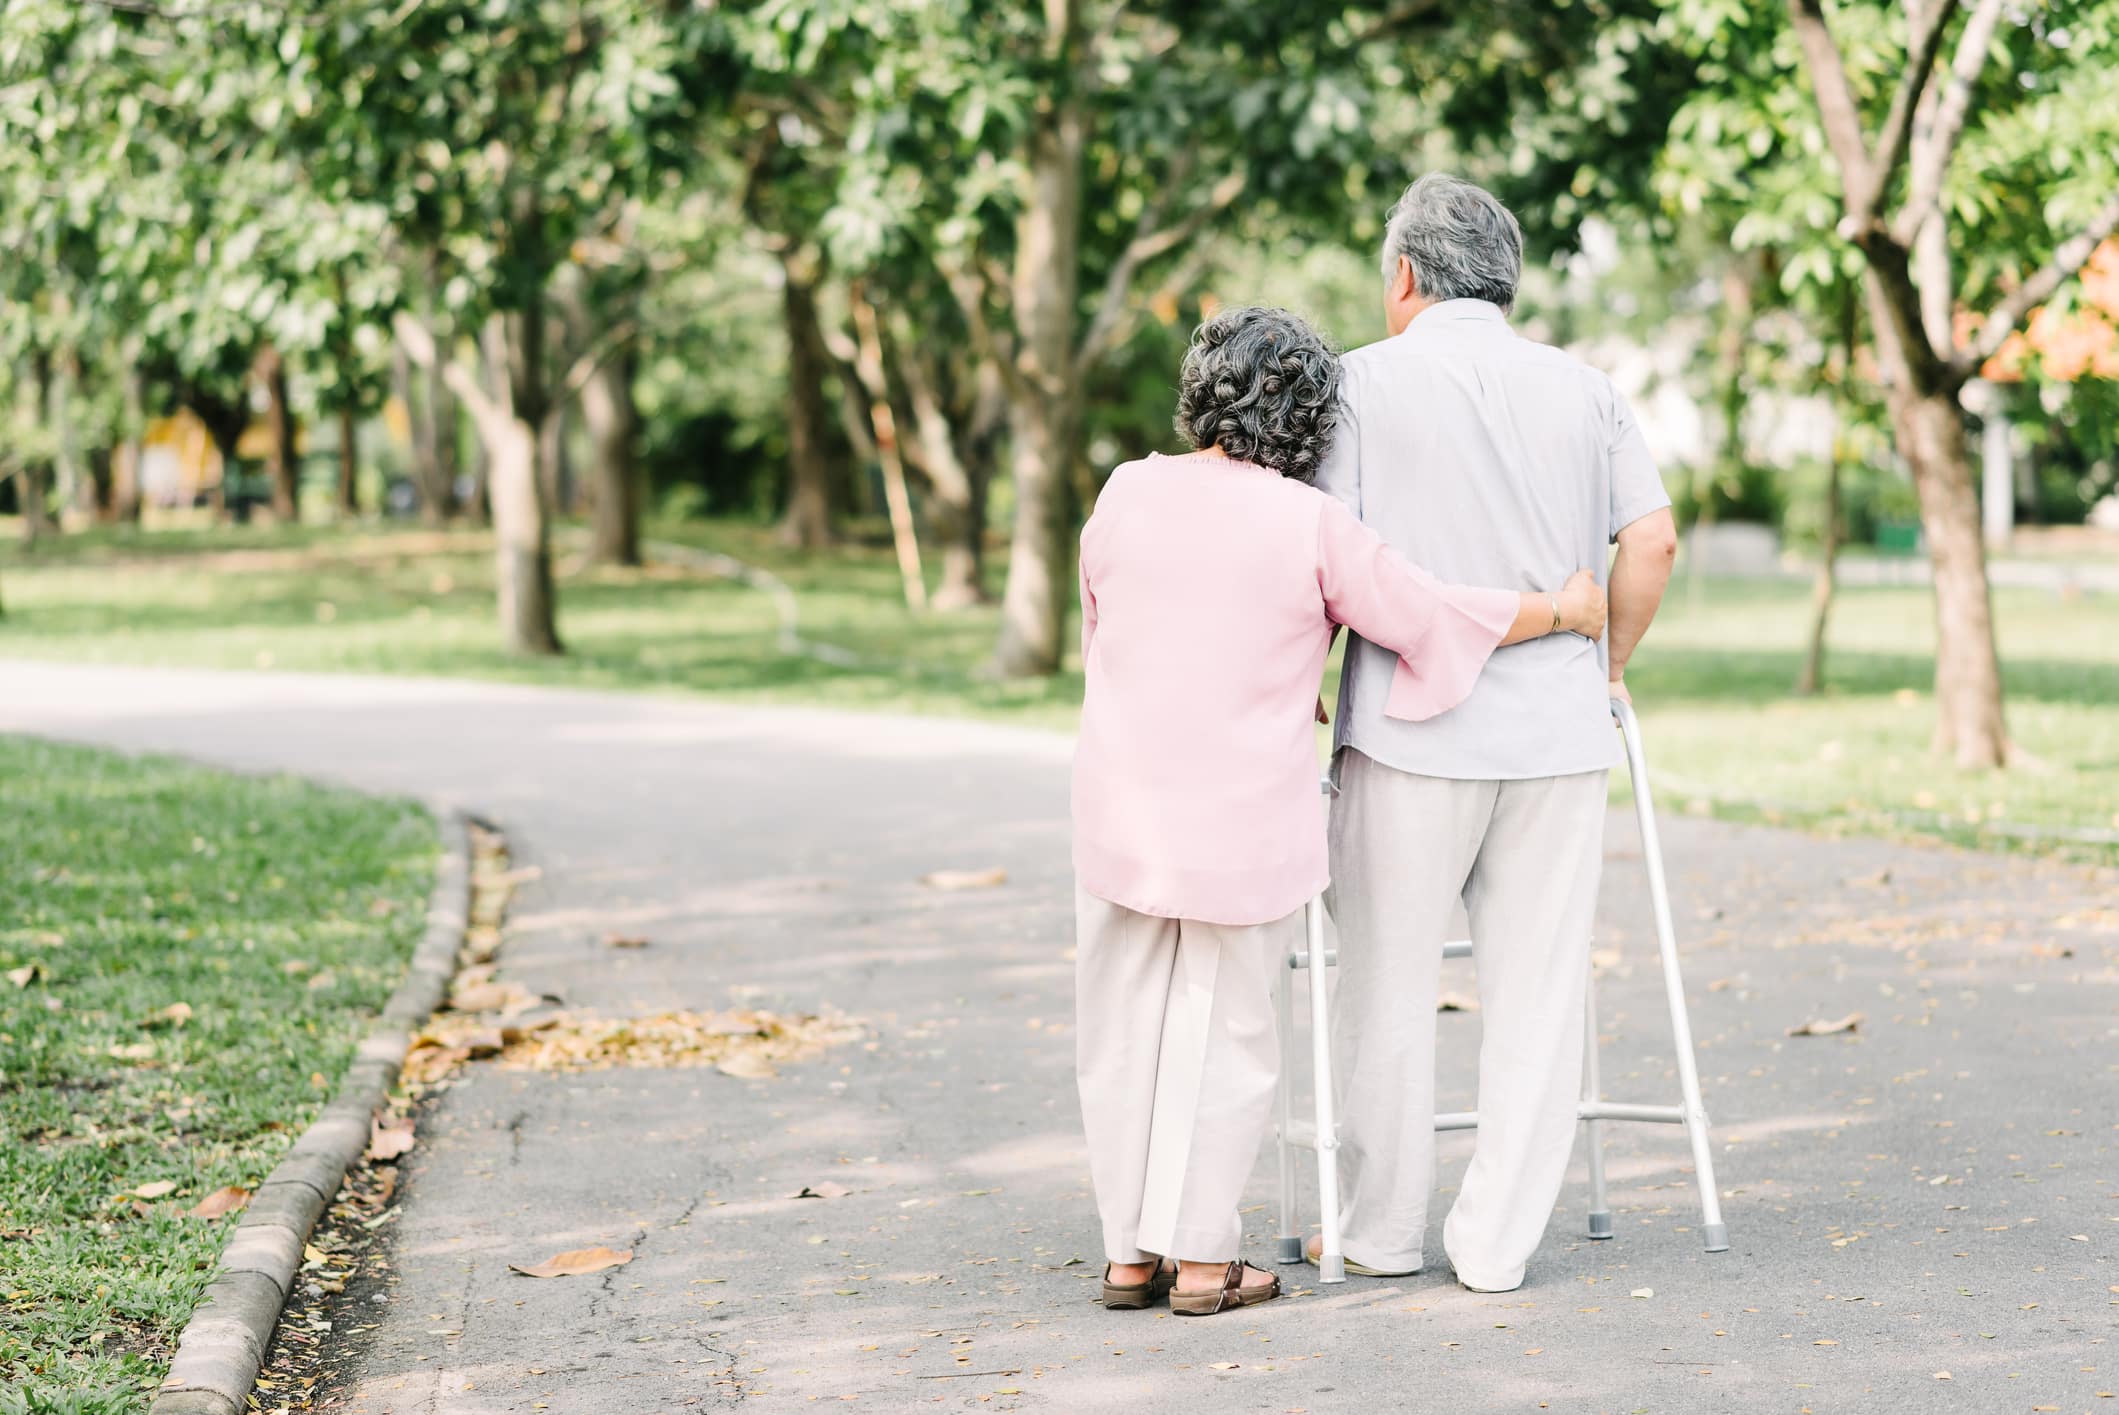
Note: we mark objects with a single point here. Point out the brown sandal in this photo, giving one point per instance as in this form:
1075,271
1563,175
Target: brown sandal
1231,1293
1133,1297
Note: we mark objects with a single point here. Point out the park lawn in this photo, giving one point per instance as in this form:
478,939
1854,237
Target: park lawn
281,915
1725,733
413,601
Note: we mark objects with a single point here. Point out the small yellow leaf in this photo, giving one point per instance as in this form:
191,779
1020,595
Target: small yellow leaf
965,879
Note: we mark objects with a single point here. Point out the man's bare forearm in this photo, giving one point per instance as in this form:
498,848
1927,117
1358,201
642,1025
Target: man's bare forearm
1647,549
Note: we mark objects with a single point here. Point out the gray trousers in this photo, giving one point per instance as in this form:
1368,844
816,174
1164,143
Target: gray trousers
1176,1057
1524,857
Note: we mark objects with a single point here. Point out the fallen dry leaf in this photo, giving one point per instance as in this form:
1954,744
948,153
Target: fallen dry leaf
508,999
1818,1027
133,1051
575,1263
23,976
826,1190
746,1066
221,1201
174,1015
965,879
615,939
154,1190
387,1142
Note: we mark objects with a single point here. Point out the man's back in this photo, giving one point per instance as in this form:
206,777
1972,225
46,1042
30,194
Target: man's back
1488,459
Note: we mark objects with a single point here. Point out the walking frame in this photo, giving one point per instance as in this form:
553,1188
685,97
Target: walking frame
1322,1136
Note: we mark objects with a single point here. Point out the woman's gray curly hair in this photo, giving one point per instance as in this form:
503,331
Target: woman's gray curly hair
1264,385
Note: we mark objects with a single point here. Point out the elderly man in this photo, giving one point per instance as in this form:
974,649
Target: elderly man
1490,459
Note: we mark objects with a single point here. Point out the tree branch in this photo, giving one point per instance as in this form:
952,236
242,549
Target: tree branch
2068,258
1934,149
1924,28
1395,18
418,345
970,292
1835,107
1145,246
592,358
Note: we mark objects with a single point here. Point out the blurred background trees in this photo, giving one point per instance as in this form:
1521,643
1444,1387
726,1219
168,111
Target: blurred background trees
920,270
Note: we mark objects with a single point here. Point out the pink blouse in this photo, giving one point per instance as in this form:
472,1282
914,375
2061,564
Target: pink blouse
1209,592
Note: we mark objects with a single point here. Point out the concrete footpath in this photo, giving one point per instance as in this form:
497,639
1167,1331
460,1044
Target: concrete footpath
1924,1211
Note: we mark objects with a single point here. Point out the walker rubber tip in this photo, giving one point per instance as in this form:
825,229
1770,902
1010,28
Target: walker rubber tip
1331,1267
1291,1250
1717,1235
1600,1225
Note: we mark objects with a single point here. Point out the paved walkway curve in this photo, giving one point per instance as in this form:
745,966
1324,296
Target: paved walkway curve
1933,1192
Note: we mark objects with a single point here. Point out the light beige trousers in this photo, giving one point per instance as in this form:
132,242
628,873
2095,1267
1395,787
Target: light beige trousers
1176,1058
1524,857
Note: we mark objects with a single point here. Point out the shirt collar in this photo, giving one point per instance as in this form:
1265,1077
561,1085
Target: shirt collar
1458,312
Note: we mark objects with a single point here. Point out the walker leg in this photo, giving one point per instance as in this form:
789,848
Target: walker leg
1331,1265
1290,1233
1714,1233
1593,1090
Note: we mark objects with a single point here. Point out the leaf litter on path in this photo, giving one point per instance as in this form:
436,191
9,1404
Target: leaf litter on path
745,1043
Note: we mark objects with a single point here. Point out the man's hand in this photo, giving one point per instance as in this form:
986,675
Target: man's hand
1582,605
1324,718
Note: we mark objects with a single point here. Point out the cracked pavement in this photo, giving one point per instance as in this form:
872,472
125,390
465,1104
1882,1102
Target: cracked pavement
1924,1212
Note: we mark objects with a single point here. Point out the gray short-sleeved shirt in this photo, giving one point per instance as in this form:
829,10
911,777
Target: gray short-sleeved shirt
1489,460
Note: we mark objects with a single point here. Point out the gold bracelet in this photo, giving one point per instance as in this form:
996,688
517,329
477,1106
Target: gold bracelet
1555,612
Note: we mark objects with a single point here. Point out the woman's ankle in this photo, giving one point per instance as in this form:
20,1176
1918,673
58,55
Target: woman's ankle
1197,1275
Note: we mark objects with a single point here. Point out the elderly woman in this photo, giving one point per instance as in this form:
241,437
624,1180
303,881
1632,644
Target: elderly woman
1211,585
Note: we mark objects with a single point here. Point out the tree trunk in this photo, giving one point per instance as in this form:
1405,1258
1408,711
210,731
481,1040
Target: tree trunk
76,496
96,490
280,462
32,482
883,418
552,462
808,521
432,420
349,461
521,518
443,439
1811,680
614,476
1968,720
954,503
125,467
1045,411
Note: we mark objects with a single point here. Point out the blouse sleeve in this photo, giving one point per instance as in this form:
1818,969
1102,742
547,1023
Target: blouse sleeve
1088,611
1442,634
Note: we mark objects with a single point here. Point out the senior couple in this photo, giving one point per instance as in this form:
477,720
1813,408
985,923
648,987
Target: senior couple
1450,496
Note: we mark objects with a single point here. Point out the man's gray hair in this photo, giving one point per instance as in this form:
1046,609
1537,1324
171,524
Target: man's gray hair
1463,244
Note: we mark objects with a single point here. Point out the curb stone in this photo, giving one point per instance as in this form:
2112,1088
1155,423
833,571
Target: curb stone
224,1342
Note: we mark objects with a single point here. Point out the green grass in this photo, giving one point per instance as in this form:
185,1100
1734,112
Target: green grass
1712,681
421,602
281,914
